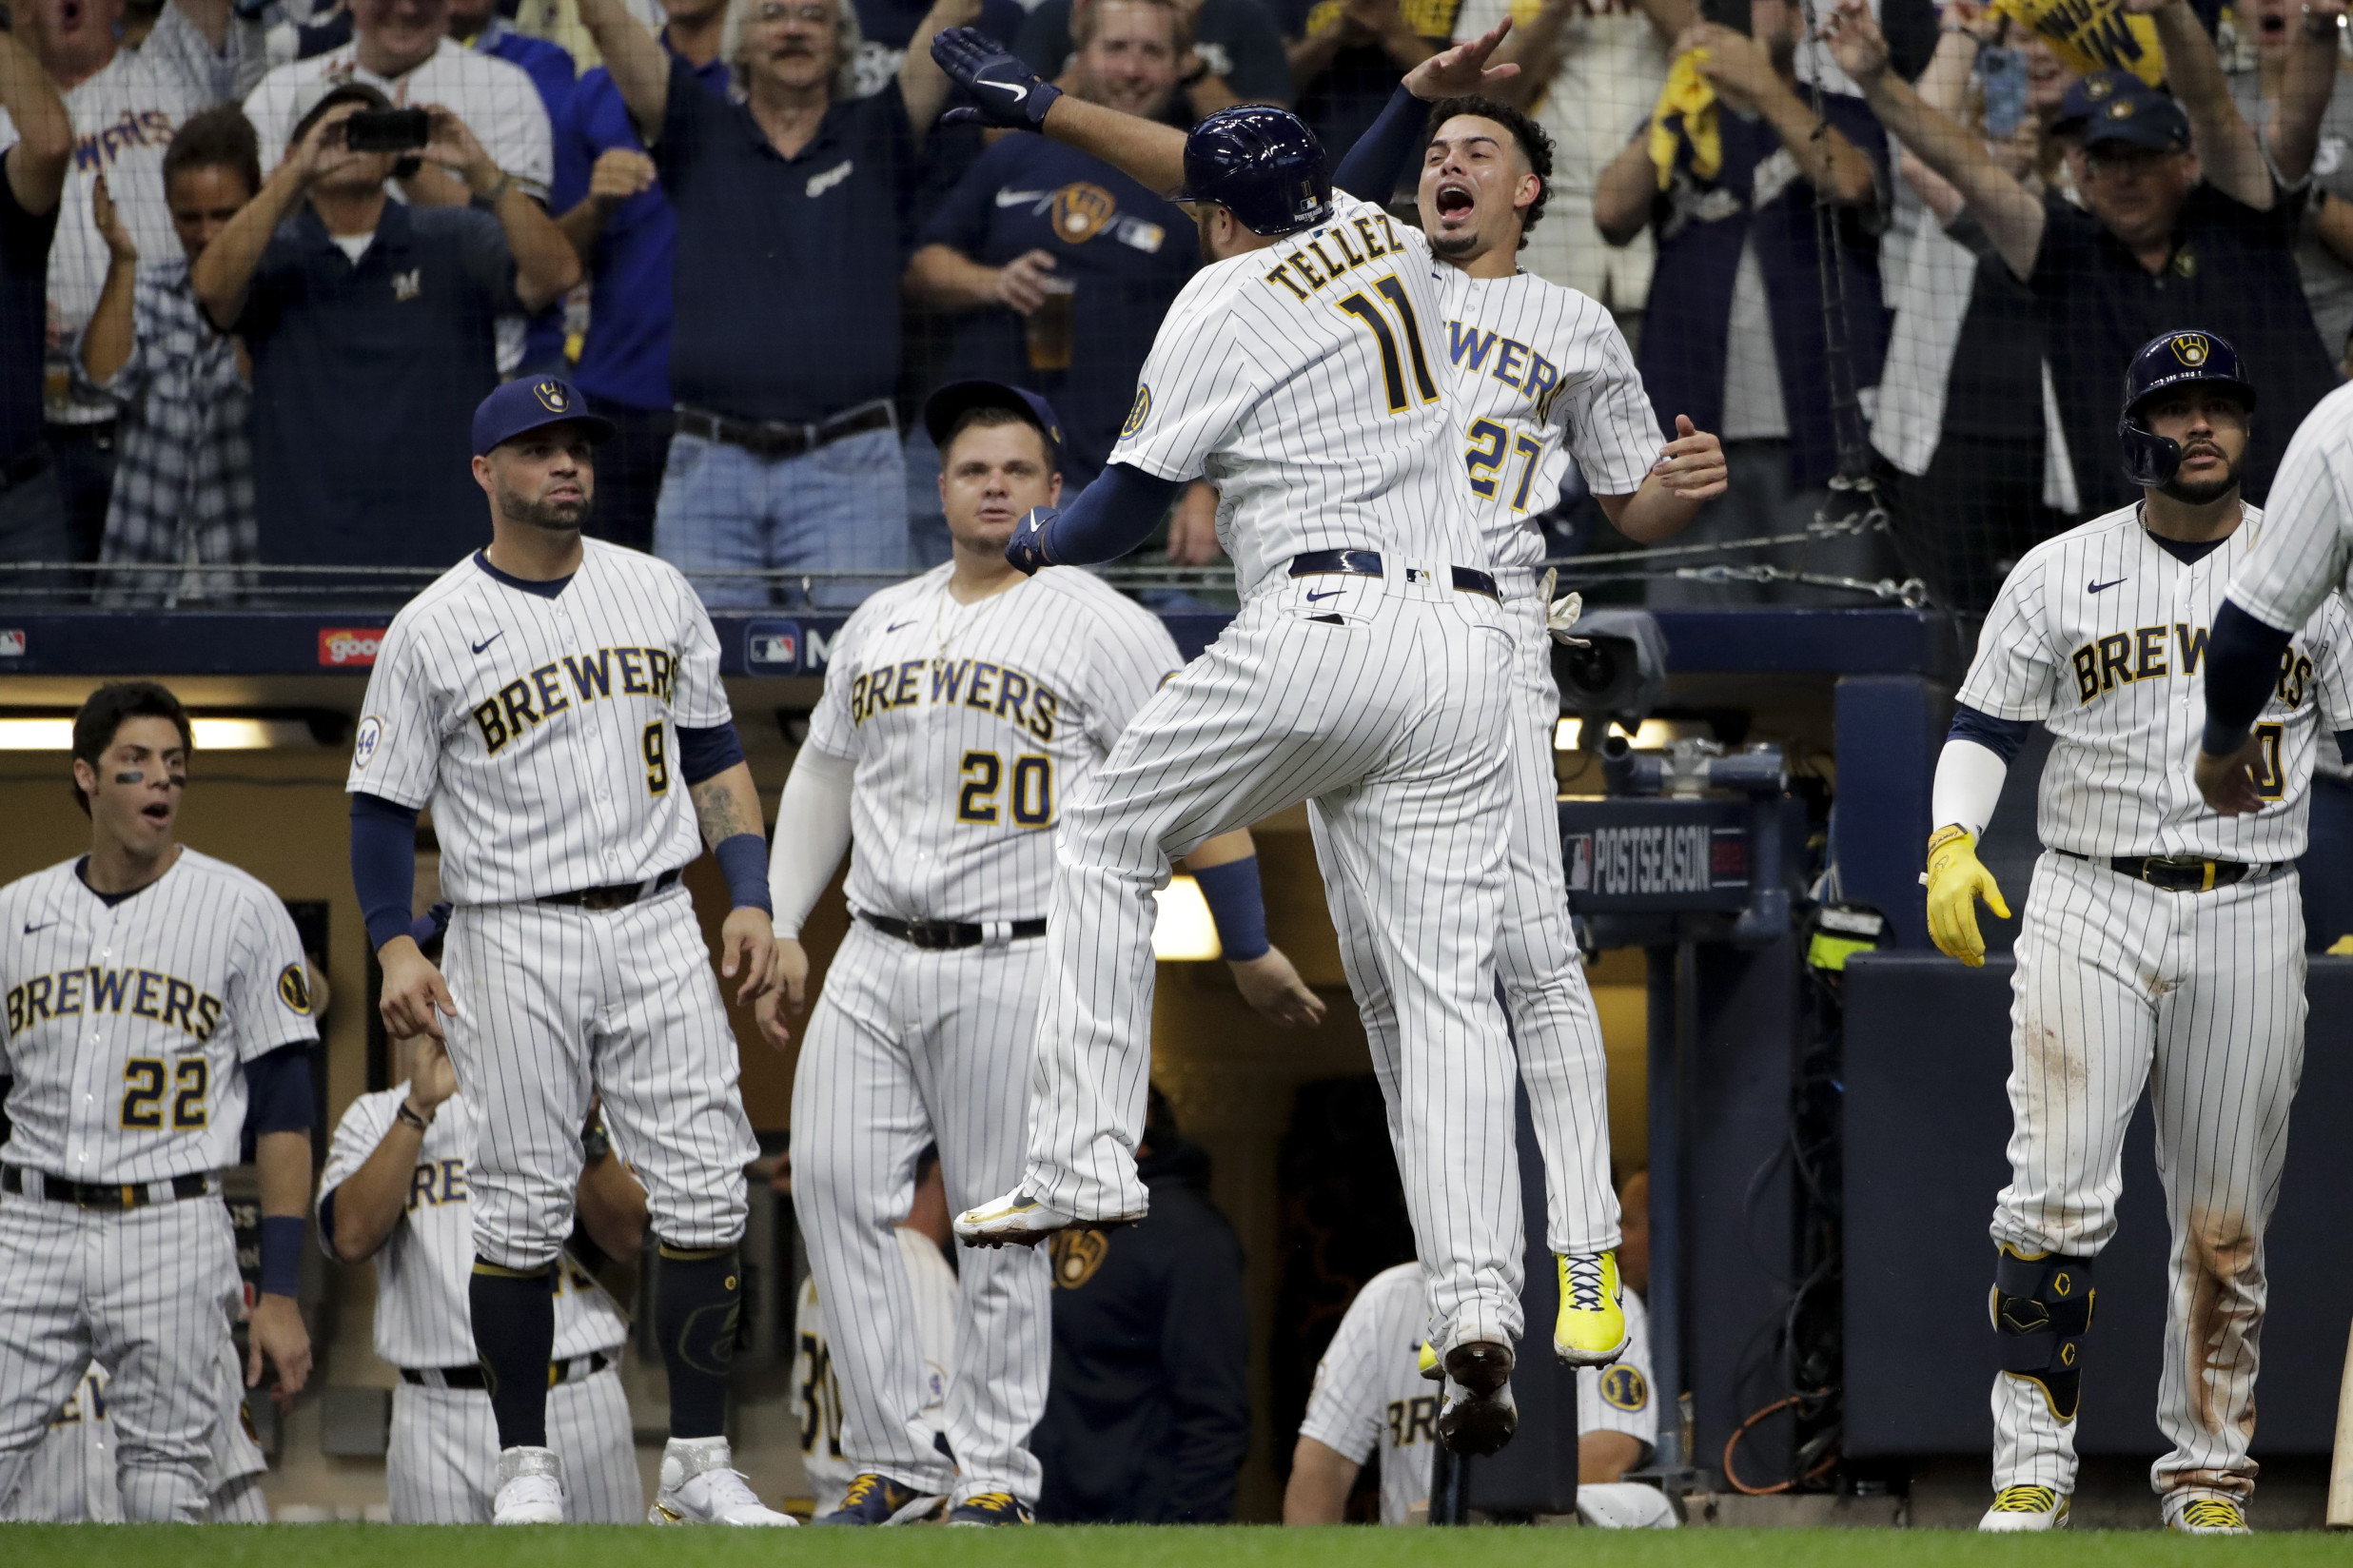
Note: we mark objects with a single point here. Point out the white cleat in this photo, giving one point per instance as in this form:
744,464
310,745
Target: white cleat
700,1486
530,1487
1019,1219
2205,1513
2017,1508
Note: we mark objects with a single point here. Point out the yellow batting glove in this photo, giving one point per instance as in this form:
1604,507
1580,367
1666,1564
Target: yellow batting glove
1956,879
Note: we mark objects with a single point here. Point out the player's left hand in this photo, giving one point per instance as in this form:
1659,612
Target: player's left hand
1691,467
275,1330
1463,70
1026,548
747,946
793,974
1010,93
2229,782
1275,992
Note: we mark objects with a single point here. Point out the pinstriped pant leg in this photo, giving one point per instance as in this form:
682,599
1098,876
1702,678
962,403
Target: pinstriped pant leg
163,1291
588,1423
858,1122
442,1460
2229,1054
44,1339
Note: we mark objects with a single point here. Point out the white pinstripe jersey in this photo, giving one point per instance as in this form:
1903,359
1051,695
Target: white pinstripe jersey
2304,549
1538,373
2100,634
129,1023
1305,381
541,728
424,1315
969,725
1370,1393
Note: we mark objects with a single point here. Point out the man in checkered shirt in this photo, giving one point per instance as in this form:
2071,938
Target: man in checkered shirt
184,479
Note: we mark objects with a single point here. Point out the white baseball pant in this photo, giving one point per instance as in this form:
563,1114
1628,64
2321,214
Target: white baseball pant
554,1003
150,1294
1391,721
442,1464
906,1047
2200,996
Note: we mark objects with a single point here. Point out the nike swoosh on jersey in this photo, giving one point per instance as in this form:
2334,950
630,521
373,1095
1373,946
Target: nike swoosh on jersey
2100,587
1022,198
487,641
895,625
42,926
1328,592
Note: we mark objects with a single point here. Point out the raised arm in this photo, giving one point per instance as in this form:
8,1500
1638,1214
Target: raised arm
366,1204
107,342
1012,95
223,274
1377,164
922,86
36,163
1623,196
545,264
2011,217
2229,153
1742,71
640,67
2306,87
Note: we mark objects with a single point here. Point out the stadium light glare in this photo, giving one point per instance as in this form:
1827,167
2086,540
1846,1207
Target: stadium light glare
212,735
1182,929
1653,733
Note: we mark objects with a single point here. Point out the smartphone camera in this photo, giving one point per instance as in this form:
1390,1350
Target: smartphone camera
387,130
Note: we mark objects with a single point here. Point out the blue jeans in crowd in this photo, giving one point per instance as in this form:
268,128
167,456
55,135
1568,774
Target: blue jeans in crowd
842,507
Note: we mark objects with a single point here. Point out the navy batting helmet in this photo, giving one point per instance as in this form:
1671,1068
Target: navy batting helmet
2171,360
1262,164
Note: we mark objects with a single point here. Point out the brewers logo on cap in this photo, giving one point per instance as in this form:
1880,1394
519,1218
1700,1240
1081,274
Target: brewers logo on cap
2191,348
551,396
2099,87
2120,110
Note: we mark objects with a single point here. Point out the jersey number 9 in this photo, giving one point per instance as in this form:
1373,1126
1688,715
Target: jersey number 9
657,760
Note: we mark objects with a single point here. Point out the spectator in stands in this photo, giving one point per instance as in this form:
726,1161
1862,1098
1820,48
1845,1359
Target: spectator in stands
2296,60
784,346
885,27
1347,55
480,25
1728,175
32,511
371,324
1588,71
618,219
125,104
403,48
1981,474
1237,56
1147,1414
184,478
1060,266
2184,218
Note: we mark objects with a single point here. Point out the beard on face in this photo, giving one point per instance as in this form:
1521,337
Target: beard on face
560,515
1457,248
2205,492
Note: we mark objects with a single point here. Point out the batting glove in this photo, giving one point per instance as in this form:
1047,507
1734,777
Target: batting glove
1560,614
1026,548
1010,94
1956,879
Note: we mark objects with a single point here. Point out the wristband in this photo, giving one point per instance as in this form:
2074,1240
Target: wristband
744,859
282,1254
1232,894
408,1113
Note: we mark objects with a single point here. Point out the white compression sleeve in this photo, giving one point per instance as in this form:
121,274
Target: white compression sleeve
812,831
1969,785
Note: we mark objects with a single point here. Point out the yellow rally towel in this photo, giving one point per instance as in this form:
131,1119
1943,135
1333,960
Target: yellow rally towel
1686,111
2091,35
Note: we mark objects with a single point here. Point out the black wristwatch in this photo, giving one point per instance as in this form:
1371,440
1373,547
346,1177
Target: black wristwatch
595,1145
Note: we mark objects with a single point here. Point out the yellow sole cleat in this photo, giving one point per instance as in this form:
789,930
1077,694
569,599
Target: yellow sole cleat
2207,1516
1591,1331
2025,1508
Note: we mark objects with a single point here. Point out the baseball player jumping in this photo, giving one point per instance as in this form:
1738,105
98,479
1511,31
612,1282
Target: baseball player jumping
556,701
2162,945
963,712
1295,373
396,1189
157,1002
1538,376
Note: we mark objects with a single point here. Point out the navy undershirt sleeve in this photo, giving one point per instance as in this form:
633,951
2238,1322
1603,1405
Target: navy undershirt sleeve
707,752
2242,667
2002,737
278,1093
1111,516
1371,170
383,865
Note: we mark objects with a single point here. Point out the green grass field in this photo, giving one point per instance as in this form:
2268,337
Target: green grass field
385,1546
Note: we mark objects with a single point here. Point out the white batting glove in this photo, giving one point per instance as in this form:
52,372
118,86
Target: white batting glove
1560,614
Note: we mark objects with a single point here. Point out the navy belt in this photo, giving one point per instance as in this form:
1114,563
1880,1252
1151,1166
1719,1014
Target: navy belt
121,1195
952,936
2176,873
1366,563
618,897
558,1373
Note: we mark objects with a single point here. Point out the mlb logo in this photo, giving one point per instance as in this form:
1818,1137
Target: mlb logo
1578,849
772,648
12,643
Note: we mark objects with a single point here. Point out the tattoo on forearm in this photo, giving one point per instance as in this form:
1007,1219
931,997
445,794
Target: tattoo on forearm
722,810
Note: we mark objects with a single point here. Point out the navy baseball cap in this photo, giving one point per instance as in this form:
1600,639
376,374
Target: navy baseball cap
529,403
2116,106
952,403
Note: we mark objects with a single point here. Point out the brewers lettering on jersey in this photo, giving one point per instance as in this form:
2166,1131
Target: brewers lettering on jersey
557,703
2162,942
152,992
962,710
1536,377
1296,373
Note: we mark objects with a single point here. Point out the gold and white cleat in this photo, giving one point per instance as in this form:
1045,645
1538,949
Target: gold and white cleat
2025,1508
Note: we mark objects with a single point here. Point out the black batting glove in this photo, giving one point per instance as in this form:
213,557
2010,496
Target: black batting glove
1010,93
1027,549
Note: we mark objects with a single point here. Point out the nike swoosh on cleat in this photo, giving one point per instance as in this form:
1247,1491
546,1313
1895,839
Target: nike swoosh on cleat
2101,587
487,641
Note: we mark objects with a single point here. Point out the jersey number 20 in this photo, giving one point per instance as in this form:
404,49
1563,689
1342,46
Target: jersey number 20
1032,794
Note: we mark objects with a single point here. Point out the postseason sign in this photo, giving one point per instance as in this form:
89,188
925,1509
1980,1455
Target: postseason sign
1656,856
